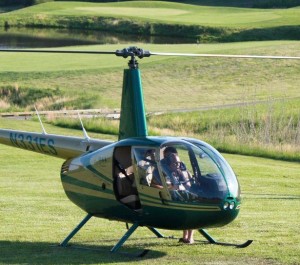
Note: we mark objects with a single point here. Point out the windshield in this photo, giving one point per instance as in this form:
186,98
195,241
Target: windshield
195,173
225,168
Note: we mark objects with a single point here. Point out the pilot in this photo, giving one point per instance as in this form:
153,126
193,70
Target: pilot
176,171
179,180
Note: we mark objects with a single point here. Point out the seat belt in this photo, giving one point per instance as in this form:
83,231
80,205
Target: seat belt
121,168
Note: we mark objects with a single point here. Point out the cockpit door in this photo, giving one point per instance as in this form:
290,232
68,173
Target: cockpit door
124,178
151,188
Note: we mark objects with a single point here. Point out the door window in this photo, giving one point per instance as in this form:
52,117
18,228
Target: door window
146,165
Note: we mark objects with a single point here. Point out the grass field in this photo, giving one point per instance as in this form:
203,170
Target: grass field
97,80
268,129
158,18
158,11
172,83
36,215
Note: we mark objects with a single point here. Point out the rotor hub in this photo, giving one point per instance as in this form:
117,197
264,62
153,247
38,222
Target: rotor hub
133,52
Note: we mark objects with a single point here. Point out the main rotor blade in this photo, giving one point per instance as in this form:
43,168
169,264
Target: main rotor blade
225,55
56,51
141,53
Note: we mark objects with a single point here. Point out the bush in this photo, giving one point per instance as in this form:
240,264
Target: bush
25,97
22,2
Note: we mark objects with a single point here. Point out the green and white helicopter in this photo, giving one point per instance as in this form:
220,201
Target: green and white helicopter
113,180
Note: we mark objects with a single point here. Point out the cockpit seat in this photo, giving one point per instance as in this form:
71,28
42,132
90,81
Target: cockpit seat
125,185
132,201
127,191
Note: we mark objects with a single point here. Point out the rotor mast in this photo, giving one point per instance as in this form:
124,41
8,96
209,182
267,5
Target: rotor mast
133,116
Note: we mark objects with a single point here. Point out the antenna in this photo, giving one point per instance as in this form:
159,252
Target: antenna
83,129
44,131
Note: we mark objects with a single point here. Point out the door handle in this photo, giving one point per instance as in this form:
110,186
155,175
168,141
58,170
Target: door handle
162,199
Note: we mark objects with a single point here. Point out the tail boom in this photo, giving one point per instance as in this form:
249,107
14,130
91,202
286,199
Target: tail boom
50,144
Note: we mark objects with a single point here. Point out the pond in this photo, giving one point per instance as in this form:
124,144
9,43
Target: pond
43,38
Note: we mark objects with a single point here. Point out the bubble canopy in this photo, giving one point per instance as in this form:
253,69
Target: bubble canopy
192,171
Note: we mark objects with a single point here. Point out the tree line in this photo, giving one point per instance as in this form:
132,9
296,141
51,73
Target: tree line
255,3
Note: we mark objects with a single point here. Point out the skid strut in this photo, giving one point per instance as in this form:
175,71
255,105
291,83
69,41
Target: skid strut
127,235
121,241
76,229
211,240
156,232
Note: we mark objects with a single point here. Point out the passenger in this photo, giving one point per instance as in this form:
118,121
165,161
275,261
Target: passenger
147,166
148,160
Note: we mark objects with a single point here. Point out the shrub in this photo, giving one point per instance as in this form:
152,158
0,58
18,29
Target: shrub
22,2
22,97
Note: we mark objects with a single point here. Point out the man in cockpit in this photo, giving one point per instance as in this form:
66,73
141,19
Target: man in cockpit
176,172
177,179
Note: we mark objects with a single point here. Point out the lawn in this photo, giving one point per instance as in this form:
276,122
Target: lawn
205,24
168,12
175,84
97,80
36,215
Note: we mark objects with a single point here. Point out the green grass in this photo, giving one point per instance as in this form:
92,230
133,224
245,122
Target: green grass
270,129
206,23
97,80
98,125
34,126
172,83
36,215
157,11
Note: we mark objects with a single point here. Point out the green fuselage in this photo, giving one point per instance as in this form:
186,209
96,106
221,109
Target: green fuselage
90,181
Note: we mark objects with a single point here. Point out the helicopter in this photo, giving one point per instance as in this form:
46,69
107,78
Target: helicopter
113,179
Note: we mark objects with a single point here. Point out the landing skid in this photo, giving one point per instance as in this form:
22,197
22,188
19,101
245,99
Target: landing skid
211,240
131,230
